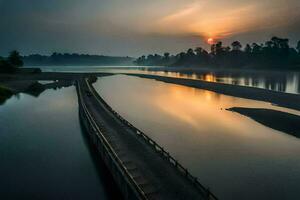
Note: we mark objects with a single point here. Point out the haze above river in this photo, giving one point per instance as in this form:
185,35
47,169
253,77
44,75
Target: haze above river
232,154
282,81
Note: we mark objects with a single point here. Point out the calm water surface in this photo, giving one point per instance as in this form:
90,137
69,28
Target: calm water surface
235,156
44,154
284,81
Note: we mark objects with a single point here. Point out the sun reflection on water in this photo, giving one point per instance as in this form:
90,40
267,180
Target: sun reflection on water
195,127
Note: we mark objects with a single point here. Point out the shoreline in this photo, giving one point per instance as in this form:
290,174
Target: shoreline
191,70
13,84
277,120
287,100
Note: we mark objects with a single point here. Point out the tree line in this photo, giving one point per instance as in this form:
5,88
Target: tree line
75,59
11,63
275,53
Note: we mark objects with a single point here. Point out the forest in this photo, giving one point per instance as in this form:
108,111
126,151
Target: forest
74,59
275,53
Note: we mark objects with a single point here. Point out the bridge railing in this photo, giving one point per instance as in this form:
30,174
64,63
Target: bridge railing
108,148
157,148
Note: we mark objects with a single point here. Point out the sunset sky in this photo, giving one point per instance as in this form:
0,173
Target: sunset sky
135,27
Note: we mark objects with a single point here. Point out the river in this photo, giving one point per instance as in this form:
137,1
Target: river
281,81
235,156
44,152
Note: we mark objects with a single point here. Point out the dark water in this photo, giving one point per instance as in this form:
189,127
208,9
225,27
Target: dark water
235,156
44,154
281,81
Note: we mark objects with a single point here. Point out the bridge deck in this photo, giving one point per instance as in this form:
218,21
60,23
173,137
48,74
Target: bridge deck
154,174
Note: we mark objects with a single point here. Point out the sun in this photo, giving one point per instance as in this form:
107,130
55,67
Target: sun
210,40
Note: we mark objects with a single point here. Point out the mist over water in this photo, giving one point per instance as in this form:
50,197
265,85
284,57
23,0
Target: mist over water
284,81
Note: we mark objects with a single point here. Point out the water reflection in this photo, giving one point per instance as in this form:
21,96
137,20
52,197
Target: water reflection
277,81
43,154
284,81
234,155
33,88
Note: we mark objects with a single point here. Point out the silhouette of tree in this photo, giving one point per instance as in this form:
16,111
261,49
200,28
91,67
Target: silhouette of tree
2,64
256,48
213,50
166,56
280,42
236,46
273,53
298,47
219,48
276,51
75,59
199,51
5,66
15,59
248,49
190,52
141,60
202,55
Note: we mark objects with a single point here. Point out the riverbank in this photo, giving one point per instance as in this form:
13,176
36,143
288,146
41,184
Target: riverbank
48,76
28,82
287,100
5,94
281,121
19,82
278,98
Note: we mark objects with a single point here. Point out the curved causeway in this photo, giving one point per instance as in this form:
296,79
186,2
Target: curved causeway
141,168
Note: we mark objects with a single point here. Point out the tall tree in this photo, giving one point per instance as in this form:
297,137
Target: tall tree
15,59
248,49
236,46
219,48
198,51
167,55
190,52
256,48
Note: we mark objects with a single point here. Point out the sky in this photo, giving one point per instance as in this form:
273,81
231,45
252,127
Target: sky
137,27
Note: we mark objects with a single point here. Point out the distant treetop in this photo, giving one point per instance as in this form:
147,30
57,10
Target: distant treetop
11,63
75,59
275,53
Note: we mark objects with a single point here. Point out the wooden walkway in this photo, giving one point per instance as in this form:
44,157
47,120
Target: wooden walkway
141,168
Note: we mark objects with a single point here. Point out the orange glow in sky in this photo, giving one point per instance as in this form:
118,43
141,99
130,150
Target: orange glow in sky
205,19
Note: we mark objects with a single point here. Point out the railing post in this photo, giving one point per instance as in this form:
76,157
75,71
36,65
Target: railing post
208,193
168,156
195,180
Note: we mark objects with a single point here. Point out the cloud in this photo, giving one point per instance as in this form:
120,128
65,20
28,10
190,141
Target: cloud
181,14
139,26
212,19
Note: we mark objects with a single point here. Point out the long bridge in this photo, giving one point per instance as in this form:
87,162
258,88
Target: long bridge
141,168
